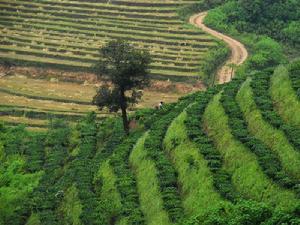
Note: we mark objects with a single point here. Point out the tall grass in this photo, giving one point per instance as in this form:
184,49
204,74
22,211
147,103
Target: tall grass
105,186
148,187
247,175
71,207
284,97
194,176
270,136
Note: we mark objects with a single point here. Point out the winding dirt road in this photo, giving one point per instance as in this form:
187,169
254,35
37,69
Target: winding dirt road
238,51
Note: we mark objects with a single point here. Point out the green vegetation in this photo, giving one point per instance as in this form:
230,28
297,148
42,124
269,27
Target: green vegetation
71,207
262,130
194,176
268,160
284,98
221,178
228,155
105,186
147,183
294,71
276,19
212,61
16,186
126,68
247,175
167,169
260,85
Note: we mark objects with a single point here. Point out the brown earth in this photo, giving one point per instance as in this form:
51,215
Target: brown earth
164,86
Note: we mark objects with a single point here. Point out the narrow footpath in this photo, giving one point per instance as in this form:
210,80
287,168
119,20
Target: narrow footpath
238,51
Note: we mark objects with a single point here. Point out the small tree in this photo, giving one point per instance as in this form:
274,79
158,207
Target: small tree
126,69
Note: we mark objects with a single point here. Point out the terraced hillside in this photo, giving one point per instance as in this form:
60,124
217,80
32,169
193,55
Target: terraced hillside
215,157
34,101
68,34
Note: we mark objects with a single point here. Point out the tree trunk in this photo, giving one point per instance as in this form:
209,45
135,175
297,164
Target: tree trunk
124,113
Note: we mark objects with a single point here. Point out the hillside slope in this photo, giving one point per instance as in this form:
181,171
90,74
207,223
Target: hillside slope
229,155
215,146
68,34
238,51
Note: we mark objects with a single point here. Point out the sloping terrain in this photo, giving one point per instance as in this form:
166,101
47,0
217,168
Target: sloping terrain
238,51
34,101
229,155
68,34
213,156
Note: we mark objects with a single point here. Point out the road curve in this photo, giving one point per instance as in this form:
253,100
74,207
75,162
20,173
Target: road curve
238,51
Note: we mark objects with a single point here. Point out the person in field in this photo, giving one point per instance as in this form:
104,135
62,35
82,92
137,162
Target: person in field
160,105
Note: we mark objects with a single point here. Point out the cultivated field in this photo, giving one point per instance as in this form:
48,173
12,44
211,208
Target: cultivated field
23,98
224,153
68,34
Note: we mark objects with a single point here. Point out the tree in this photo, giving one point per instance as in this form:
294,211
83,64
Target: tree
268,53
126,70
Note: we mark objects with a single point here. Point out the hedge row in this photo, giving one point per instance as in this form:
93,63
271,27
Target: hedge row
167,175
110,29
267,159
294,73
125,179
12,139
110,136
54,39
81,173
44,198
260,85
132,37
100,6
126,182
221,179
34,152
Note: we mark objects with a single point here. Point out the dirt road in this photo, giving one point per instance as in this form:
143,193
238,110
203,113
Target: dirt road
238,51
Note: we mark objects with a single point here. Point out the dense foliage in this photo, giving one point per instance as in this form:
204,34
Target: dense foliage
294,72
269,161
222,180
260,85
127,69
278,19
213,60
167,175
86,173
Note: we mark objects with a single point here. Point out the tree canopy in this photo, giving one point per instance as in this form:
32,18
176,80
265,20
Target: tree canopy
126,70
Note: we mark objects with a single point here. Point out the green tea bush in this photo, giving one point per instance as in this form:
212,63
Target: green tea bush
294,72
284,98
222,179
166,172
260,85
267,159
43,200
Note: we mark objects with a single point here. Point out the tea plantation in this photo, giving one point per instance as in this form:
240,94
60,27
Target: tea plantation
226,155
210,158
